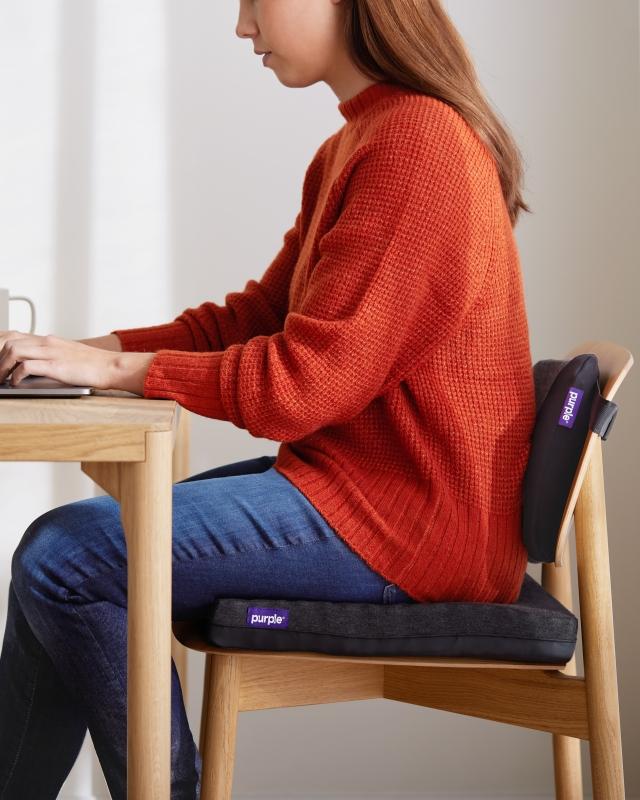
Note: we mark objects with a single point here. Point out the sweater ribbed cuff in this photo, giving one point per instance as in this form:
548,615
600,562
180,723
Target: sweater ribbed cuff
174,335
191,379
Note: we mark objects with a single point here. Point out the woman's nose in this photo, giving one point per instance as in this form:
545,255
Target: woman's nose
245,27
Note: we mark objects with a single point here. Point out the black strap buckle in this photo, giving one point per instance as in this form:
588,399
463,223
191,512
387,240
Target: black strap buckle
603,413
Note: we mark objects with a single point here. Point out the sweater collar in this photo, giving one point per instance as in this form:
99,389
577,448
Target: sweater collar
357,105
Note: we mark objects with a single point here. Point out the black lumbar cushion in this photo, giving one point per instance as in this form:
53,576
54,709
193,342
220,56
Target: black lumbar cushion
569,406
535,628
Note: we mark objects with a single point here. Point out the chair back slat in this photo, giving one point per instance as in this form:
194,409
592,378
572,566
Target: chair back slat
614,362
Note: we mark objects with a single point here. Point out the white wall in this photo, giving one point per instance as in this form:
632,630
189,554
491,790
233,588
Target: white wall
148,161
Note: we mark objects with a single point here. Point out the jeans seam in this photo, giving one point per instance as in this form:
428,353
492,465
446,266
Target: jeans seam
24,732
206,558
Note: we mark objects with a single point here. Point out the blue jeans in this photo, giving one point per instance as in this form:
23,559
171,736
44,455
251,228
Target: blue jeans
240,530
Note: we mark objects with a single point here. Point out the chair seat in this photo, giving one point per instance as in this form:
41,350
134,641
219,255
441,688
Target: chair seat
535,628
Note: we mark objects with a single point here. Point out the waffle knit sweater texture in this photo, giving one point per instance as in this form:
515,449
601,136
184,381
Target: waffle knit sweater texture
386,348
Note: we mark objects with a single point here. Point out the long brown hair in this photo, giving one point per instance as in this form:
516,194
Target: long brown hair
414,43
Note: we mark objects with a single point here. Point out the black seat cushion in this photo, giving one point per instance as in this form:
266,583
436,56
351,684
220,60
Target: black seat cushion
536,628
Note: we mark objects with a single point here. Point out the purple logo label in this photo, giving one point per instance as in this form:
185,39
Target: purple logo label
267,617
571,406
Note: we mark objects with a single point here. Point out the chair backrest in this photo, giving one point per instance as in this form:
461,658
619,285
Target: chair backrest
614,362
562,448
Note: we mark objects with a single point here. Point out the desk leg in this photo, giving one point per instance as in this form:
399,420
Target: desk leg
145,507
180,471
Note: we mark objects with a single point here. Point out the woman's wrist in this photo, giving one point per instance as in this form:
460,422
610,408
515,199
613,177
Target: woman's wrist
129,371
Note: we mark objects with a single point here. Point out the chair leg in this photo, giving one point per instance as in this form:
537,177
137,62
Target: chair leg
218,725
596,612
179,654
205,702
567,768
566,749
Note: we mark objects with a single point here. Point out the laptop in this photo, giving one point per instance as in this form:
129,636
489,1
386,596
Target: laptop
39,386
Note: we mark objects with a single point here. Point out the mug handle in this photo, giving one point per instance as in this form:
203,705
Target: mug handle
33,309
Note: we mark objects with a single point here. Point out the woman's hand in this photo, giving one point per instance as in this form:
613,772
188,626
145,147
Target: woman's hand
71,362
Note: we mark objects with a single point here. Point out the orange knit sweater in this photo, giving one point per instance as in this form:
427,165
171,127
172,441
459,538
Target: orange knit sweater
386,348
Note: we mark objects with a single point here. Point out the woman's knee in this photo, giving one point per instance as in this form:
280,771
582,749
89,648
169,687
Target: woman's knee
67,544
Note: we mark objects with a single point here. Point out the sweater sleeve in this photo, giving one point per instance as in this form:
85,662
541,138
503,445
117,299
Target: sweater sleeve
259,309
396,273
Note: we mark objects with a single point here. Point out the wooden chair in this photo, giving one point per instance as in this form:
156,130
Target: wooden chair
547,697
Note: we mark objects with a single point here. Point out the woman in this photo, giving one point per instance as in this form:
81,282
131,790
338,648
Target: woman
385,347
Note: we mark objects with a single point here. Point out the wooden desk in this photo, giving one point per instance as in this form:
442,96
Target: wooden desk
125,443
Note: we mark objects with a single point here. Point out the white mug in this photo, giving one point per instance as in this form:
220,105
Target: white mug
5,299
